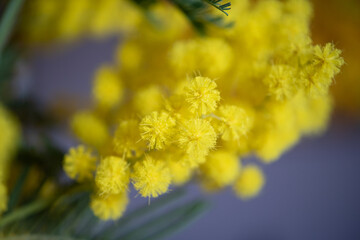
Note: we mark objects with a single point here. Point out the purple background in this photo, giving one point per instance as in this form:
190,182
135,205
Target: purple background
312,192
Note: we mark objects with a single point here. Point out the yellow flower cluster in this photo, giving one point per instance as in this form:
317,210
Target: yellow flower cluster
45,21
9,140
187,105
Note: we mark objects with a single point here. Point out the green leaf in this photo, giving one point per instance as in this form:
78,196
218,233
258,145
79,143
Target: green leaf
189,216
218,4
180,215
23,212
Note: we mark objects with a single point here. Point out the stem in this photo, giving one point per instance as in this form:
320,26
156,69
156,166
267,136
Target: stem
15,194
8,21
24,212
188,218
142,232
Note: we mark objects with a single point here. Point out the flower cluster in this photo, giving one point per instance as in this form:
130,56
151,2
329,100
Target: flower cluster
176,105
45,21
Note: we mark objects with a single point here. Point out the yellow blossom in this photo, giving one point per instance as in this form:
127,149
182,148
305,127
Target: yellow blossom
126,139
281,82
209,56
196,137
326,63
112,175
89,129
79,163
180,172
73,19
107,88
148,100
109,207
157,129
151,177
221,168
250,182
201,95
235,122
129,56
328,59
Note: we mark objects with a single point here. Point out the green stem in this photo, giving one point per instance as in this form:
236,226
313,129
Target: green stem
188,218
143,231
15,193
8,21
23,212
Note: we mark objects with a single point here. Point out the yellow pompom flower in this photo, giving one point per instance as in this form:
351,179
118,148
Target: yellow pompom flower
327,59
157,129
109,207
148,100
326,63
201,95
89,129
277,131
3,198
73,20
221,168
151,177
235,122
196,138
126,139
180,172
107,87
250,182
281,82
112,175
79,164
312,114
129,56
209,56
103,19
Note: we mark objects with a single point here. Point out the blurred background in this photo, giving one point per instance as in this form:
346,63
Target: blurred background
312,192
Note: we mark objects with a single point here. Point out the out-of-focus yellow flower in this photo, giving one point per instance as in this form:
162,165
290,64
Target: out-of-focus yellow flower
148,100
180,172
80,164
107,88
129,56
211,57
109,207
220,169
90,129
235,122
126,142
281,82
250,182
